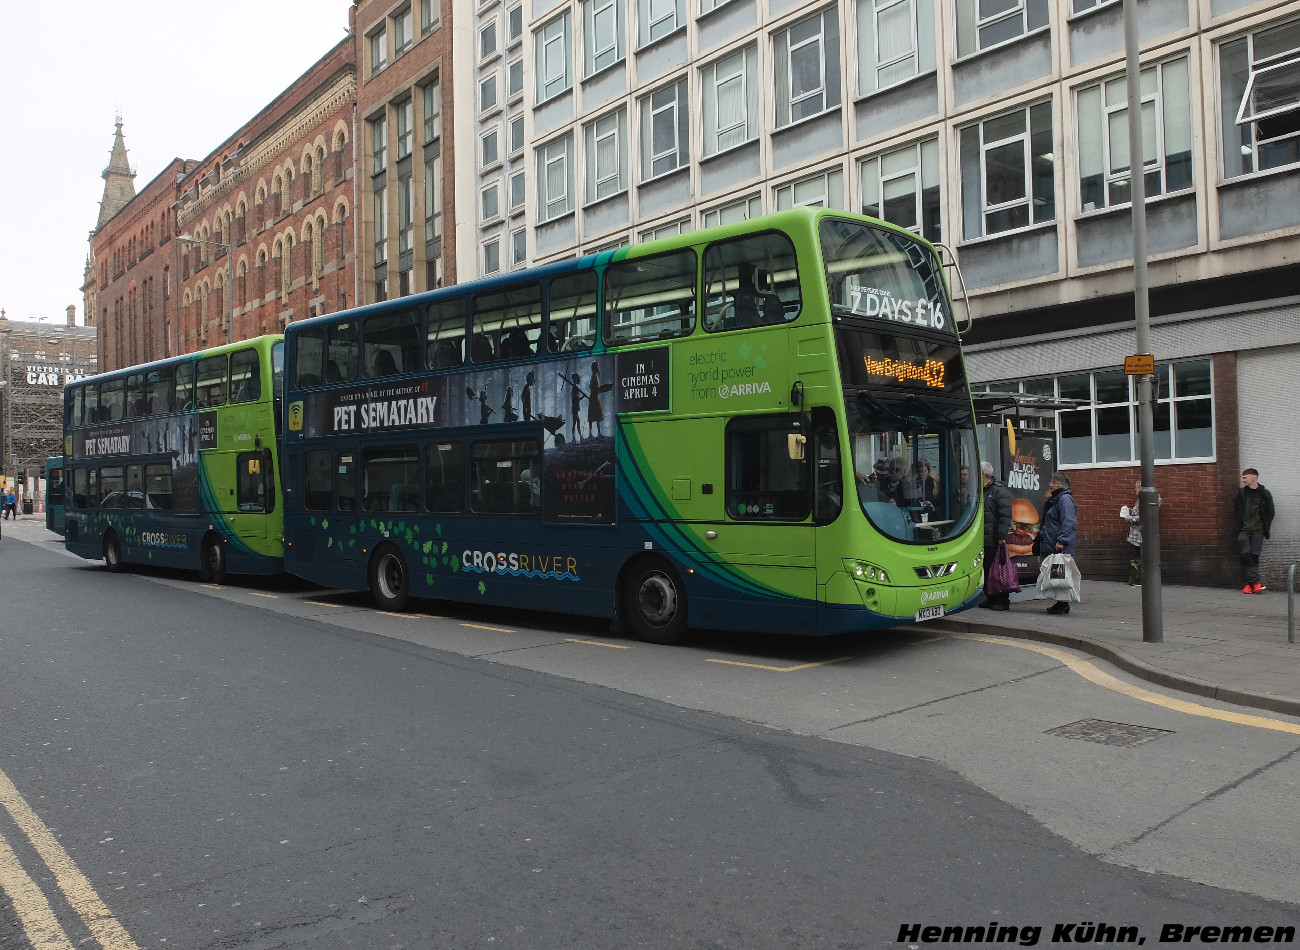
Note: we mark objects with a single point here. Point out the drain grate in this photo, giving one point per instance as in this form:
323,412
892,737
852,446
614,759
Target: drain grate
1109,733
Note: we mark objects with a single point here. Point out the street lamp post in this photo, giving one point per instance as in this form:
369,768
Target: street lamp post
1148,500
230,279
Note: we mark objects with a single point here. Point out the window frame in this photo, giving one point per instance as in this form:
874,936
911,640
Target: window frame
1156,170
553,207
558,30
611,183
1031,111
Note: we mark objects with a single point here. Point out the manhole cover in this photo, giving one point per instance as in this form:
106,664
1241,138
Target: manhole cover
1109,733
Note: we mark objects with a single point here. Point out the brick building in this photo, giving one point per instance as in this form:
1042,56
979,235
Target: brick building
128,275
406,179
38,360
280,192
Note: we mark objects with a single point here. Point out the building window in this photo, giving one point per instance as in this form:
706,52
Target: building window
403,30
378,50
519,247
487,93
432,201
487,39
381,226
602,31
555,178
428,16
895,42
432,101
658,18
516,135
554,54
489,150
606,140
517,191
379,141
1081,6
730,91
1105,430
405,111
515,24
515,78
491,257
405,212
1259,76
1166,136
985,23
807,65
825,190
733,211
671,229
665,136
902,187
491,201
1006,172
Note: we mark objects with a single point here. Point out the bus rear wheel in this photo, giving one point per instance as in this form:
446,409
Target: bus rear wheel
113,552
390,581
212,566
654,601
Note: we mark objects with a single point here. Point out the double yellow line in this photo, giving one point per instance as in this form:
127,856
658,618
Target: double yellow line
30,903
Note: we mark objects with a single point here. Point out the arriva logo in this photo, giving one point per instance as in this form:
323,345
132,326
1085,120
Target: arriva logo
931,595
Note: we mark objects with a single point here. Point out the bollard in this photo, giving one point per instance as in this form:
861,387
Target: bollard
1290,603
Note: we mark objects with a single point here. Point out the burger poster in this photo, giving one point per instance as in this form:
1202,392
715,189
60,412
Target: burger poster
1026,474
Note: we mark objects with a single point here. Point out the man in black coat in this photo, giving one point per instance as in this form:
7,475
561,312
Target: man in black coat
997,522
1254,510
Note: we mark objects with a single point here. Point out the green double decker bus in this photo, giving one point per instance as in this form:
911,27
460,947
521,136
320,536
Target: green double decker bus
176,463
761,427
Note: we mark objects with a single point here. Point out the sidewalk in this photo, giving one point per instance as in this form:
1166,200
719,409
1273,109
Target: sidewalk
1218,643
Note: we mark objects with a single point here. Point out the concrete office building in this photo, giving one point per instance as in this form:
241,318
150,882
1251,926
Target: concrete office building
1002,134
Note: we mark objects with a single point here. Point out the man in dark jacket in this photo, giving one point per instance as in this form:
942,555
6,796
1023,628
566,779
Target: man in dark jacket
1254,510
1060,527
997,522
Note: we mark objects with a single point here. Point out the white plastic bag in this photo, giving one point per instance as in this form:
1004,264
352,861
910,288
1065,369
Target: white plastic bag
1059,579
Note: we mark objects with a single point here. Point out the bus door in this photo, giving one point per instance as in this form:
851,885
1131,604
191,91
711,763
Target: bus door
254,493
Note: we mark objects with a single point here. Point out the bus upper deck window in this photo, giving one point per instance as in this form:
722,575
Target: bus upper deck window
212,373
392,343
342,351
308,358
749,282
650,297
444,334
572,313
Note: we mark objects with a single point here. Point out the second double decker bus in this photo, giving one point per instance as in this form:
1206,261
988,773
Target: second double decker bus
762,427
176,463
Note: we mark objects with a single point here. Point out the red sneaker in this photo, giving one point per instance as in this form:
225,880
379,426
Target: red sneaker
1258,588
1248,589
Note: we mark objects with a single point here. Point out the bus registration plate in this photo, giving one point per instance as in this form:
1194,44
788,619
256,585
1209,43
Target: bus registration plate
929,613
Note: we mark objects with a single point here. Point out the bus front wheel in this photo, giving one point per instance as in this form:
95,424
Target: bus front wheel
390,581
213,564
113,552
654,601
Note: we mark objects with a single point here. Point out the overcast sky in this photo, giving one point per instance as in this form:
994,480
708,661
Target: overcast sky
183,76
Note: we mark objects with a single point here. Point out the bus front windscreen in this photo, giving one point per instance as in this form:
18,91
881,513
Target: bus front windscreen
915,464
878,274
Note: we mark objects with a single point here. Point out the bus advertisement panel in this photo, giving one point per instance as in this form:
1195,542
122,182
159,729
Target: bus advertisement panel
756,427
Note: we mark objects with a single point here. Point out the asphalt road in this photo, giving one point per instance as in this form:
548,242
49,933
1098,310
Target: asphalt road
266,765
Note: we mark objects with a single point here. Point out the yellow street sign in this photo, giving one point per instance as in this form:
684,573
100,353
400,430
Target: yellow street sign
1144,364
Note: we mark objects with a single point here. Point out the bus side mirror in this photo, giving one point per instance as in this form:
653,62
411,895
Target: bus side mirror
795,443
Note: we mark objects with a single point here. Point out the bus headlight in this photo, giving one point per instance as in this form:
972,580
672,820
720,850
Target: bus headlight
863,571
979,559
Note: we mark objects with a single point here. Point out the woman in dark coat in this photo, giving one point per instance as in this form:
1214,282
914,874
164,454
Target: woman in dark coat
1060,527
